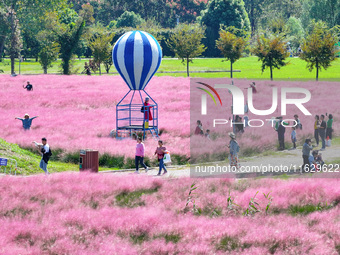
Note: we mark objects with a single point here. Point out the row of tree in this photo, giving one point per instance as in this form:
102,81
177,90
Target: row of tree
318,48
46,29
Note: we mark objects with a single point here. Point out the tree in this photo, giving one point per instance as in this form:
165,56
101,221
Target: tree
25,18
231,46
275,10
295,32
186,43
324,10
15,41
129,19
49,49
223,12
101,47
271,51
319,49
254,10
69,35
4,29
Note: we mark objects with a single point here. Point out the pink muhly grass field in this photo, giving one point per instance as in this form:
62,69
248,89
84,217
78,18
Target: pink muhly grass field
78,112
74,213
323,100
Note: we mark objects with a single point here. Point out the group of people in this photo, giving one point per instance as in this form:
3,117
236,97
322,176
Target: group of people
43,147
311,161
200,131
322,129
281,130
91,66
159,152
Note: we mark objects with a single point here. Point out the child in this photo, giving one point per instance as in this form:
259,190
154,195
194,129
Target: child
207,134
293,136
318,159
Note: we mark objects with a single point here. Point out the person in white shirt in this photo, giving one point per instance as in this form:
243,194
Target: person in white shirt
45,152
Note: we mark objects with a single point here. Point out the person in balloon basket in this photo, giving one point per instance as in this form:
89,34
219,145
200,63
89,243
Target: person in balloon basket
147,111
45,152
160,151
139,159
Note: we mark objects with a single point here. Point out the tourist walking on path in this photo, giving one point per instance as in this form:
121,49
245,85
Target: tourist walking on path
322,131
329,129
160,151
316,129
234,148
139,159
26,121
45,152
306,148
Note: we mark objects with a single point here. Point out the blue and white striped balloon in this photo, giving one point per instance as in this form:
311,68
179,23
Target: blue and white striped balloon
137,56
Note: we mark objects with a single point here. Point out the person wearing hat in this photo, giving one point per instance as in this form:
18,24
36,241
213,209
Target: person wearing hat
26,121
234,148
29,86
147,110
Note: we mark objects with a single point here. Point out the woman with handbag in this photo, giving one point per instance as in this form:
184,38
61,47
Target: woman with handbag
160,151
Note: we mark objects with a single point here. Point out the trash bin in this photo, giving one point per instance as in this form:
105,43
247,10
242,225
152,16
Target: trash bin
89,161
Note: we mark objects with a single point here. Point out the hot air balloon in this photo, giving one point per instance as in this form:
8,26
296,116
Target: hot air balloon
137,56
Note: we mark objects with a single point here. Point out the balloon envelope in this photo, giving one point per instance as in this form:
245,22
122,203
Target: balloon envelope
137,56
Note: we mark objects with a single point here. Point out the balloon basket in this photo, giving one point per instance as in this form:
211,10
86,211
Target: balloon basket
132,117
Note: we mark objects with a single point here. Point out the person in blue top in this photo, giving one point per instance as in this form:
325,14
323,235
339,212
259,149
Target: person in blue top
234,149
293,137
26,121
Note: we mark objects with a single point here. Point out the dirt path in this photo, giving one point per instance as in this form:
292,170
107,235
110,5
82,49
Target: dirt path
289,158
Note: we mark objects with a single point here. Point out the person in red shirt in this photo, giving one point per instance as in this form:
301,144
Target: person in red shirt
147,111
160,150
199,128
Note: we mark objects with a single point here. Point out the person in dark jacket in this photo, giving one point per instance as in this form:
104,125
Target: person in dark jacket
281,129
306,148
322,131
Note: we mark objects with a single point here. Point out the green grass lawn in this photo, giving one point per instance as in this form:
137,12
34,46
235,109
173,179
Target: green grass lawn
250,68
28,162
